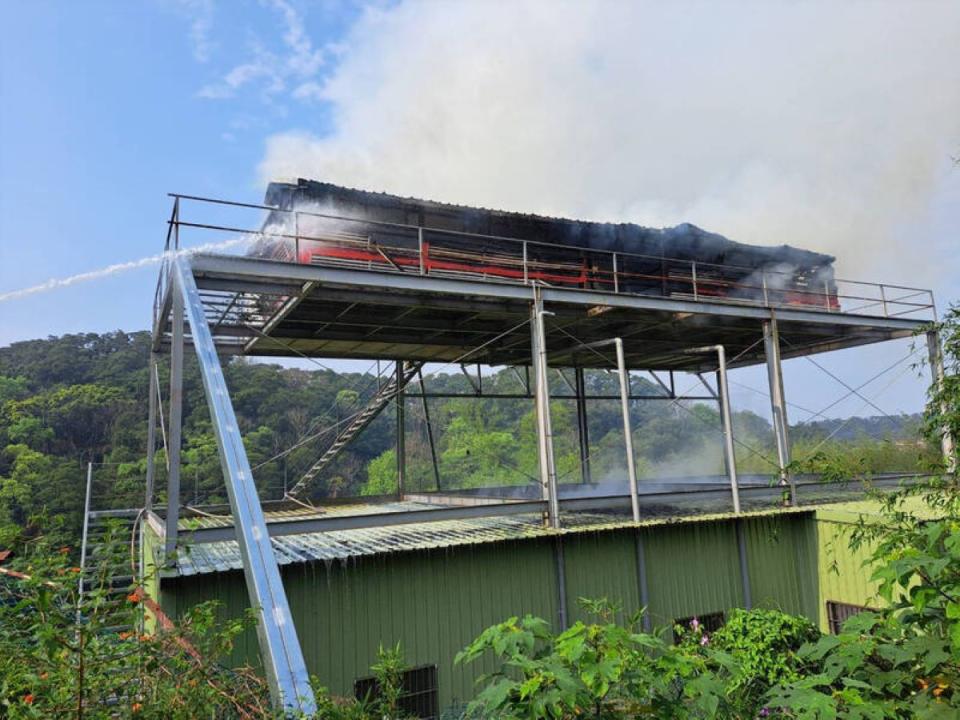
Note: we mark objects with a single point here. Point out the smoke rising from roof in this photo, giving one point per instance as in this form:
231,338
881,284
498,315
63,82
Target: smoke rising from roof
825,126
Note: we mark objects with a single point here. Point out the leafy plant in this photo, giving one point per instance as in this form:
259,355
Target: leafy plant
601,671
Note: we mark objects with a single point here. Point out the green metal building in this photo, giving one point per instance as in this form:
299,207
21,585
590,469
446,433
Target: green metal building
433,587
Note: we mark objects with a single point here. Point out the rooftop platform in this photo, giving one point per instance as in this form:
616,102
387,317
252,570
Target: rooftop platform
432,294
355,529
269,308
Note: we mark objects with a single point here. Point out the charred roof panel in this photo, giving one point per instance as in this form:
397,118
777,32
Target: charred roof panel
684,241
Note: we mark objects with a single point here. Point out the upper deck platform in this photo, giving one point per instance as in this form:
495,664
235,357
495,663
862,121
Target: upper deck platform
404,304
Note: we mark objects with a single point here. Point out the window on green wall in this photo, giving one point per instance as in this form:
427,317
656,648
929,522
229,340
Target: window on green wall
420,697
838,613
708,622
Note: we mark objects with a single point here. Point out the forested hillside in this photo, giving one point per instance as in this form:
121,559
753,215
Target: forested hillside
83,398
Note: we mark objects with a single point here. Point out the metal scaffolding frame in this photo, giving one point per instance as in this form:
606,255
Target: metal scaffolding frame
215,297
282,656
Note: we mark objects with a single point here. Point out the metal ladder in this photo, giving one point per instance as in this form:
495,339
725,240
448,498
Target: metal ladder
377,403
105,555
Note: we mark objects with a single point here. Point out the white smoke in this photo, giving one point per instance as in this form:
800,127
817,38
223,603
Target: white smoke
118,268
824,125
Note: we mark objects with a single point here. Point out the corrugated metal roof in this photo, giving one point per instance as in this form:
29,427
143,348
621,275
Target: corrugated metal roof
332,545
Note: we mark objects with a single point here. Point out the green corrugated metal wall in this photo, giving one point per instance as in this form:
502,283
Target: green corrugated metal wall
782,558
843,577
436,601
432,602
691,569
598,565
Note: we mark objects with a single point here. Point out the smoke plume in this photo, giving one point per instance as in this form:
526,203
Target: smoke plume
824,125
118,268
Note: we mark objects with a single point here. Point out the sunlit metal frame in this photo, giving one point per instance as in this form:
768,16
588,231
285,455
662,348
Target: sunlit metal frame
282,656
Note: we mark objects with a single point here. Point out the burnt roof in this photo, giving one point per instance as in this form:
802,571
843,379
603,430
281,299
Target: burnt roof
683,241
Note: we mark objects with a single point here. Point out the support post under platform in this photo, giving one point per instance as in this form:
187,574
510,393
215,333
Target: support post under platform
176,421
548,471
280,651
151,431
726,417
627,429
583,431
937,375
401,435
778,405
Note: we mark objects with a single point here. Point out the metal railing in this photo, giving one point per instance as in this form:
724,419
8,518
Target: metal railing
318,238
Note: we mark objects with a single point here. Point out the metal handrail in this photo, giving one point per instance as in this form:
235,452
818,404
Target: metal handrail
682,271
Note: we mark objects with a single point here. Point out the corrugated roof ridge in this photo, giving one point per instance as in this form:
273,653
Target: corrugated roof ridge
483,208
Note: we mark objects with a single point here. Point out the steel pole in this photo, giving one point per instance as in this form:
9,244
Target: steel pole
548,472
778,405
583,432
426,417
176,420
86,528
401,438
151,431
727,419
627,431
937,376
280,652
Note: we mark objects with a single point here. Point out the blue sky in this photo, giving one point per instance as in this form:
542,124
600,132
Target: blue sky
103,114
802,123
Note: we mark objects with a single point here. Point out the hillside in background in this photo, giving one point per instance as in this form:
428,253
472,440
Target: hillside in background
66,401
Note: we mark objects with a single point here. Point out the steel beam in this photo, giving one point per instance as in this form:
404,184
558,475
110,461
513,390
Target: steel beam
485,507
937,375
778,405
280,650
548,471
86,530
627,430
241,268
730,457
583,430
426,418
163,312
152,388
176,420
401,434
726,419
529,396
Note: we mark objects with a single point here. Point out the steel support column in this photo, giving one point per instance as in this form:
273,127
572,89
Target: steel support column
778,405
175,419
85,532
726,417
401,435
937,377
548,471
151,431
583,432
280,651
627,430
426,418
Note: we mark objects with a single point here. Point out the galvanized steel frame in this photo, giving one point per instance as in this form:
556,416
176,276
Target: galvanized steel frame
280,649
